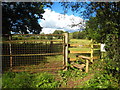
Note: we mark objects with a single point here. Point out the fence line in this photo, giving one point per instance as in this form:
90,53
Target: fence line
12,55
64,44
88,59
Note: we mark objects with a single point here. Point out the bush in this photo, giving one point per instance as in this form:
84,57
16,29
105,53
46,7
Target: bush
102,81
26,80
45,80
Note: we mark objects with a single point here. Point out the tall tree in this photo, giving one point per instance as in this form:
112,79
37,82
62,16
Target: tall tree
58,32
22,17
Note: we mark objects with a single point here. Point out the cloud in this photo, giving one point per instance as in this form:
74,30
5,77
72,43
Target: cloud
54,20
50,30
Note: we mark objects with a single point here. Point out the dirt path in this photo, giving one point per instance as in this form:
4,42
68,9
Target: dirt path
72,84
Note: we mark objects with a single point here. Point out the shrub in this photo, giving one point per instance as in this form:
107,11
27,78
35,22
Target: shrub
45,80
26,80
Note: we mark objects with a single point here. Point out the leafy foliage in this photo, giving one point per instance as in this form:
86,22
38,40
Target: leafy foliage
58,32
20,17
102,81
16,80
26,80
78,35
45,80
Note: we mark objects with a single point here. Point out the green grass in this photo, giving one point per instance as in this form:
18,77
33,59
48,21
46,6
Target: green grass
79,41
79,49
54,58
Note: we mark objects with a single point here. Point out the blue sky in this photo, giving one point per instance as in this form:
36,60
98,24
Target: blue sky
56,20
59,9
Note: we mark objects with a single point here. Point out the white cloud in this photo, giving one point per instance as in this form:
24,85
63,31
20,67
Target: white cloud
49,30
54,20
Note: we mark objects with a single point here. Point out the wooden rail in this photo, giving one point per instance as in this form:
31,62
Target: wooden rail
35,70
74,59
34,54
80,51
78,45
15,41
80,66
84,57
36,34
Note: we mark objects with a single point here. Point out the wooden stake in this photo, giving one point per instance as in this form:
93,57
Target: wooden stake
91,51
66,50
87,63
63,50
10,53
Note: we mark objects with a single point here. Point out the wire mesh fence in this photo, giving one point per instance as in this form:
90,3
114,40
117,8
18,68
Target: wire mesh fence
33,51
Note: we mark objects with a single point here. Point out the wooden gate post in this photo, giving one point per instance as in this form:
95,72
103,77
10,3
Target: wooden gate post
66,50
91,51
87,64
10,53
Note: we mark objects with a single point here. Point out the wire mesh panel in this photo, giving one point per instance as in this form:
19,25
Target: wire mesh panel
33,51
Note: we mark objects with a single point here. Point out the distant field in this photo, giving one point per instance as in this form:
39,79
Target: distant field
79,48
79,41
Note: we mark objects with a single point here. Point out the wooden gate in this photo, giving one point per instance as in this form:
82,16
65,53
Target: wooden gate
34,52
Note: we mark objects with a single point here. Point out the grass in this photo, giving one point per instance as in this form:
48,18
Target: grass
79,41
79,49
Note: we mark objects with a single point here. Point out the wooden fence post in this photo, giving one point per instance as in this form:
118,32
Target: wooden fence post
91,51
10,53
66,50
87,63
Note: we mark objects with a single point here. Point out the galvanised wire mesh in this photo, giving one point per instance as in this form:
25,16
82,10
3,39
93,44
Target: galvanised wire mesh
33,51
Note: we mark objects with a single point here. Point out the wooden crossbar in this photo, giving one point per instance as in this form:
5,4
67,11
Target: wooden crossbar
78,45
34,54
48,69
84,57
15,41
80,51
80,66
36,34
72,59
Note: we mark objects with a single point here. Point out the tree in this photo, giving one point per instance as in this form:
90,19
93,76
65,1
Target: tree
78,35
58,32
93,30
22,17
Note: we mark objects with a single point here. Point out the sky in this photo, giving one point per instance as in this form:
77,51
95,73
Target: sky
55,20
